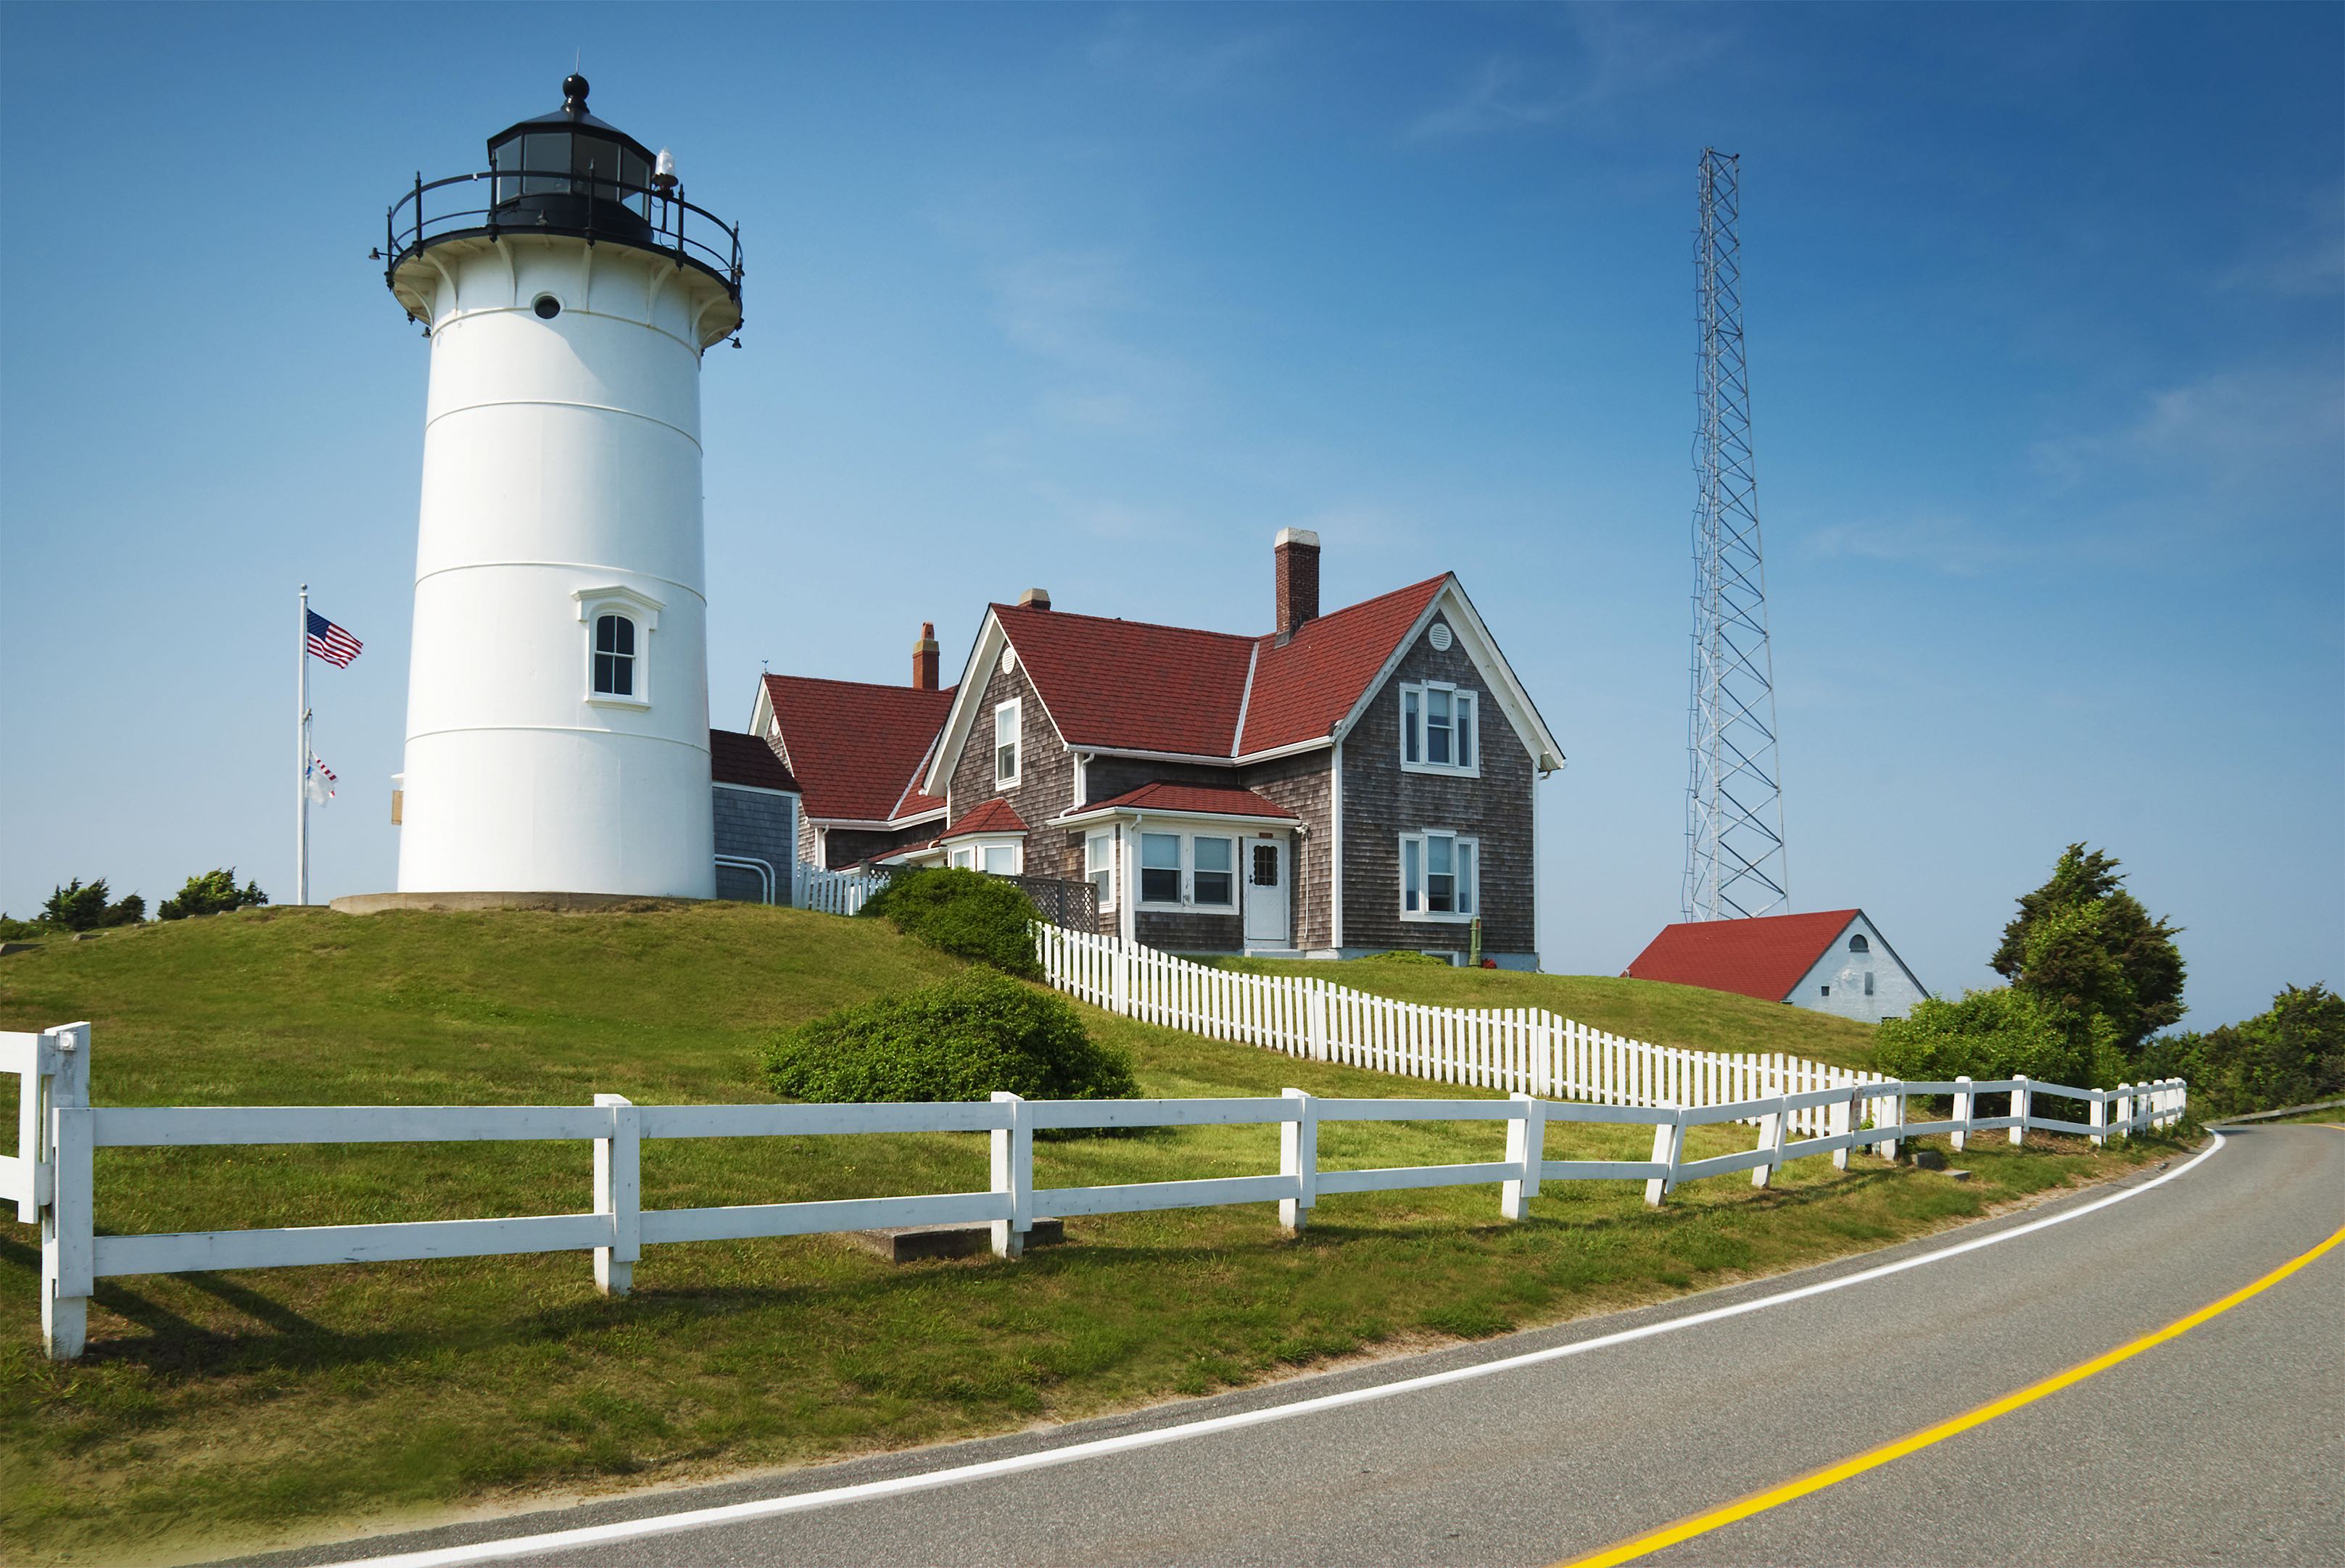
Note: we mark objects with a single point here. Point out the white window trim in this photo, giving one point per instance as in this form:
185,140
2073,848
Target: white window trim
1104,843
1187,904
594,603
1459,693
1016,706
1400,889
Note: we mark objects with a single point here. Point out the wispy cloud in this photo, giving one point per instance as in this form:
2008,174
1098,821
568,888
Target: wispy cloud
2309,263
1075,311
2235,434
1941,543
1136,46
1614,53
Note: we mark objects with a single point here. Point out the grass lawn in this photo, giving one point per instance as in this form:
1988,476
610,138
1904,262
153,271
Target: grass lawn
223,1411
1686,1016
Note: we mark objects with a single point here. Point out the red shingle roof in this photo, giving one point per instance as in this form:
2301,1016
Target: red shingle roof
1763,957
1195,797
856,747
737,759
1303,691
993,816
1129,684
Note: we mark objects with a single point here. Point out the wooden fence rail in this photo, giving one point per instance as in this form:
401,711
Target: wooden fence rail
52,1176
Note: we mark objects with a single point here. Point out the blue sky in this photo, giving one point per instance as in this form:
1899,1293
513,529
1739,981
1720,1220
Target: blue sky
2046,316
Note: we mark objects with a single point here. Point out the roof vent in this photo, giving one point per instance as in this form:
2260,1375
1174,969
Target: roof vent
1034,599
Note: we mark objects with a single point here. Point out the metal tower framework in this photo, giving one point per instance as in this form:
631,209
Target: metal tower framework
1735,863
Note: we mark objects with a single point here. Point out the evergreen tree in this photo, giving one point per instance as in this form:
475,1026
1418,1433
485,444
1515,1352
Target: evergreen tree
2088,950
213,893
76,907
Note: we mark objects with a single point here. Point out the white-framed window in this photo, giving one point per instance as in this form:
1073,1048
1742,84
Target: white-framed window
1005,744
1214,872
1441,728
964,859
999,859
618,623
1099,867
1160,869
1189,871
615,656
1440,876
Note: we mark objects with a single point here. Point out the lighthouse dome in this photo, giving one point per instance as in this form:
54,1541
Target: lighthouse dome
570,168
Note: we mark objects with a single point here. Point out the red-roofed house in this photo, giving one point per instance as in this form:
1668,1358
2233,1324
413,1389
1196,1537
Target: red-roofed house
1835,962
1350,783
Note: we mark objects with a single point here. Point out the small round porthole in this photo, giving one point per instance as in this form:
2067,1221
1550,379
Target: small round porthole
547,306
1439,637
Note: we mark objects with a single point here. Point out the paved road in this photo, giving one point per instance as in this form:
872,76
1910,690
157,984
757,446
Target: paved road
2224,1446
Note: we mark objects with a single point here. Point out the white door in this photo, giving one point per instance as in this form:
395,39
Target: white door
1265,893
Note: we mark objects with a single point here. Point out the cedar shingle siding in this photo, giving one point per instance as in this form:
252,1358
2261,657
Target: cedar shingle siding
756,826
1381,802
1046,776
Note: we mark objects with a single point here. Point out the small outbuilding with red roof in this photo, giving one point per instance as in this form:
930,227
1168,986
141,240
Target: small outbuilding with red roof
1832,962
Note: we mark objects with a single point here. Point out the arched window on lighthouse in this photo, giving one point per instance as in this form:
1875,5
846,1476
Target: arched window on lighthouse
619,625
615,656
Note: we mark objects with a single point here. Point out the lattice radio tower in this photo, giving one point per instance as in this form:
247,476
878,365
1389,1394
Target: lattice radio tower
1734,803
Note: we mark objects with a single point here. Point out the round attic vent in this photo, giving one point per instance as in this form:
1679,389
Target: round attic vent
1008,659
1439,637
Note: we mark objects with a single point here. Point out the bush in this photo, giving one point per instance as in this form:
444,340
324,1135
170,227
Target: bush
213,893
74,907
1402,955
2292,1055
964,913
15,930
1996,1033
961,1040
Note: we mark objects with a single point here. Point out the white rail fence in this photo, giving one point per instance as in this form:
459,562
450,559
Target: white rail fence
833,892
52,1177
1525,1048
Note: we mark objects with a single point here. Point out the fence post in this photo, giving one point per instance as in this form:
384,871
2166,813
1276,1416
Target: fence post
68,1243
1772,1127
1526,1149
1013,1173
619,1193
1962,1099
1844,1117
1122,982
1668,1139
1314,1004
2097,1115
1298,1156
2023,1106
1886,1147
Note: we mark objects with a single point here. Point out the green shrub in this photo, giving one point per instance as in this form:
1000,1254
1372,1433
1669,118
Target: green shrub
961,1040
213,893
2292,1055
1997,1034
964,913
75,908
1403,955
15,930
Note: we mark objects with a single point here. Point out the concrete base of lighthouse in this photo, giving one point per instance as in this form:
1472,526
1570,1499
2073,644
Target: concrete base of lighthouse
473,903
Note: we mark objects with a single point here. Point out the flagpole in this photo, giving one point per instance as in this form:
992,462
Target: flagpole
301,756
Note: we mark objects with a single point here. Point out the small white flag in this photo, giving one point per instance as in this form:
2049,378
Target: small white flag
317,780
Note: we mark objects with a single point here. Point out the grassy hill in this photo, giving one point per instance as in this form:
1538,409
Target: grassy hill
218,1410
1683,1016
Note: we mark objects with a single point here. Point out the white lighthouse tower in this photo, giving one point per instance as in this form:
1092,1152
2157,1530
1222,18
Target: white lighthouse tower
557,706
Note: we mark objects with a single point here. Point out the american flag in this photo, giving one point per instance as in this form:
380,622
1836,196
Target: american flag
331,642
320,784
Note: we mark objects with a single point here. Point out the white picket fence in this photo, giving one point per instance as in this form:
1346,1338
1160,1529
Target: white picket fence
1524,1048
833,892
52,1179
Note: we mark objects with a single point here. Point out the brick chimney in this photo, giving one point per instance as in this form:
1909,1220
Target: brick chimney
1297,550
1034,599
924,658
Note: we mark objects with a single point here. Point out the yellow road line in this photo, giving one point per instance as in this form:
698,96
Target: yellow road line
1685,1529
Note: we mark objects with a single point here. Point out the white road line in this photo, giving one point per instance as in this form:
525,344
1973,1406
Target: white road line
960,1475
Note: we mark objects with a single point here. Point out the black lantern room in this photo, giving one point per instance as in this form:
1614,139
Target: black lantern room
573,171
572,174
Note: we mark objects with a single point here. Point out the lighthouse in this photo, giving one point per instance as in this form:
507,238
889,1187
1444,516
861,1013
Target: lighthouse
557,701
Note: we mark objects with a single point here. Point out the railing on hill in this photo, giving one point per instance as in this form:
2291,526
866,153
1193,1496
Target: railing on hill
834,892
1069,906
1524,1048
52,1178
